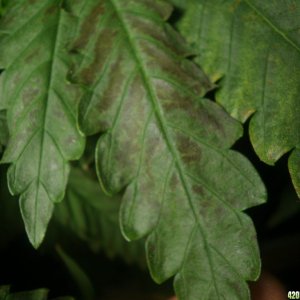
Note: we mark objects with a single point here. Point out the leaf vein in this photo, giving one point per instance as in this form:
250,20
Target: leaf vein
272,26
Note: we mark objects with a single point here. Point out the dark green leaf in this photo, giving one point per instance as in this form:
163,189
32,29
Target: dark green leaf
168,148
255,45
42,107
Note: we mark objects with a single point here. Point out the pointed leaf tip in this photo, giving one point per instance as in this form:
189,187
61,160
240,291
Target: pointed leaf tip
41,108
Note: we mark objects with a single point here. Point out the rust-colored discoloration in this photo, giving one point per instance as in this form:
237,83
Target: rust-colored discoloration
210,120
109,94
88,73
102,46
174,181
293,7
173,100
205,208
198,190
189,151
194,110
178,70
151,249
89,26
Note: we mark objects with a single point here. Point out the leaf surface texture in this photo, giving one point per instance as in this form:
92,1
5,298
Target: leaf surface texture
255,46
41,107
167,149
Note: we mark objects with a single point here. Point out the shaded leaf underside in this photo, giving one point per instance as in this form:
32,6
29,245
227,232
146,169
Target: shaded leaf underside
168,148
93,216
41,108
255,45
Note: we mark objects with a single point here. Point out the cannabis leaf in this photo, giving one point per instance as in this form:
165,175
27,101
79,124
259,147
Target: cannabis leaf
93,216
41,107
167,148
40,294
259,56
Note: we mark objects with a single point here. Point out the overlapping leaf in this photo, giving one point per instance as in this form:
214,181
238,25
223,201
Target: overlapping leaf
167,148
93,216
40,294
41,107
255,45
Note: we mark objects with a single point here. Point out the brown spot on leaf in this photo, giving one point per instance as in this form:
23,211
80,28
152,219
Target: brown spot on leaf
211,120
174,181
103,43
188,149
293,7
151,249
89,26
173,100
205,209
198,189
205,204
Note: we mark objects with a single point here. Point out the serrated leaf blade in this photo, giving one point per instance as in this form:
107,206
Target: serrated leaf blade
255,45
168,148
41,108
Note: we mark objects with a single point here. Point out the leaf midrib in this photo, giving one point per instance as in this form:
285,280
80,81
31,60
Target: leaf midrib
50,81
163,126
